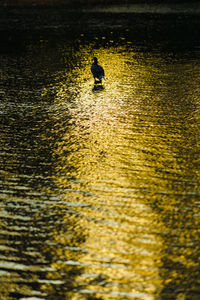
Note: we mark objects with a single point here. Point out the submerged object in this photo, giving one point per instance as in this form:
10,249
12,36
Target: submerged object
97,71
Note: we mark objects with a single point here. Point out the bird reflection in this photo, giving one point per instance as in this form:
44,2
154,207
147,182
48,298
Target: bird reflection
97,88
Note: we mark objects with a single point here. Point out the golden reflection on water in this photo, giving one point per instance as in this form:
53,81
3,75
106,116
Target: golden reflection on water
126,173
103,175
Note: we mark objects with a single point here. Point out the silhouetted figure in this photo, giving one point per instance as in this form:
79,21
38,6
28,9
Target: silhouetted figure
97,71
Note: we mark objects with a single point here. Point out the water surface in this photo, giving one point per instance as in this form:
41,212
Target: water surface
99,187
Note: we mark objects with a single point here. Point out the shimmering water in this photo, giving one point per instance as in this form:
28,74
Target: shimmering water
99,188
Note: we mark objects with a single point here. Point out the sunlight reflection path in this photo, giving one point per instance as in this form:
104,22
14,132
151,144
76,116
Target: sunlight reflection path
97,170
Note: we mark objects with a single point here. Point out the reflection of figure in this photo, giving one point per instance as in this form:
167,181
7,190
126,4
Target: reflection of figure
98,87
97,71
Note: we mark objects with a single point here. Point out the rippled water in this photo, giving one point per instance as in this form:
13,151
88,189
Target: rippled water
99,187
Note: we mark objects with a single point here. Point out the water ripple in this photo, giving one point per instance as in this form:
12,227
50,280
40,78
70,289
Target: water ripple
99,188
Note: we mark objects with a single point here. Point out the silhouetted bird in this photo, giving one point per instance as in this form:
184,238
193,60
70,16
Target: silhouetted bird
97,71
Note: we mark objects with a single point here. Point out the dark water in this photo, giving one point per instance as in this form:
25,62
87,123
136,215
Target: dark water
99,188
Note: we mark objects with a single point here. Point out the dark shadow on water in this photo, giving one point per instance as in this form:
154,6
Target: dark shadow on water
97,88
163,31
